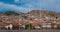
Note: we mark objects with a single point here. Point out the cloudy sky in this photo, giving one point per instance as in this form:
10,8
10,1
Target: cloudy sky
28,5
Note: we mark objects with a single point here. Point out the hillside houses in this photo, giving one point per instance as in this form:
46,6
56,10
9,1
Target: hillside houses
38,19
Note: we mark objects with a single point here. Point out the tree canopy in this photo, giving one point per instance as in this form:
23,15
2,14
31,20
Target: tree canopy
28,26
11,13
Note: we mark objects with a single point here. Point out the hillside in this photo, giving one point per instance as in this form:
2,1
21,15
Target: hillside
43,13
35,17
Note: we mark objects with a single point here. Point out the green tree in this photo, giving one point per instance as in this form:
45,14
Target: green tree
11,13
28,26
58,27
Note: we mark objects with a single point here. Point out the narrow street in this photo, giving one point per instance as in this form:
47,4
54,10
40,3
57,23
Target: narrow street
44,30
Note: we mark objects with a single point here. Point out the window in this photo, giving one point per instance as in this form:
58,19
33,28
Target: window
1,21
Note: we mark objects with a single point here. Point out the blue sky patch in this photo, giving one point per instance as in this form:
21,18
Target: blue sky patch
28,5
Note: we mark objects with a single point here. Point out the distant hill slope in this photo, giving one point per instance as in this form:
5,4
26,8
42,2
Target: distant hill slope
36,16
35,13
44,13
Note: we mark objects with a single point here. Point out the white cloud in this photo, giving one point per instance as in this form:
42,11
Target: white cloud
16,1
27,5
14,7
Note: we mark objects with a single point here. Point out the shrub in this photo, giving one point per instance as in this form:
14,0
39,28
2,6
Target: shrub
58,27
11,13
28,26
